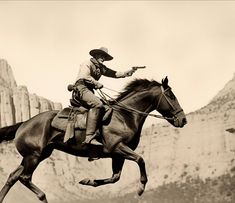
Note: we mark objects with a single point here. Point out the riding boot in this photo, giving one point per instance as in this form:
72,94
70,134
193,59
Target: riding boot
93,119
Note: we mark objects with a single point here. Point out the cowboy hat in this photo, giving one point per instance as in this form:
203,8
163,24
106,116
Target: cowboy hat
103,51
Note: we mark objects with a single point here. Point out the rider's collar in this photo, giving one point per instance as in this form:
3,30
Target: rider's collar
95,62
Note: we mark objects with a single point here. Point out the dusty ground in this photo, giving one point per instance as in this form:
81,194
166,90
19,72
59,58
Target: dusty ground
217,190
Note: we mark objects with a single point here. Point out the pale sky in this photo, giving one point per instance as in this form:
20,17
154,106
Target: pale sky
193,43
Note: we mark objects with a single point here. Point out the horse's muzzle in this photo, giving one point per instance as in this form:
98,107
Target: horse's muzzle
184,122
179,120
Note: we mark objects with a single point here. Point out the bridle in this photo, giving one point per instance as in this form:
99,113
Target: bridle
175,111
103,95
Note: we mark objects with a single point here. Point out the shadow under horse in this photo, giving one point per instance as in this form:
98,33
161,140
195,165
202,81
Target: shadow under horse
35,139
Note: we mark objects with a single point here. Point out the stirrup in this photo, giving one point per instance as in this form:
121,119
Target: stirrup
92,159
89,138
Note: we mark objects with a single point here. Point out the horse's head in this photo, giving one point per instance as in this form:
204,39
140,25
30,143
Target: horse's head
169,107
146,96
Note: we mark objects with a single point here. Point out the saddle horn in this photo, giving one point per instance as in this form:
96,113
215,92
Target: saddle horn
71,87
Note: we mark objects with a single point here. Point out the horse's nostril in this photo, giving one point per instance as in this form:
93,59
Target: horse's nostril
184,120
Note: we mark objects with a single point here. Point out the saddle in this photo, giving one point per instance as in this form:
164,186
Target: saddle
74,118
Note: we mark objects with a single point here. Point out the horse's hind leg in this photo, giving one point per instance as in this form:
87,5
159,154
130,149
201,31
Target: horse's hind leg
12,179
117,164
30,164
40,194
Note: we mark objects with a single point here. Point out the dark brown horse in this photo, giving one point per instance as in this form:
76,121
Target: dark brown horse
35,139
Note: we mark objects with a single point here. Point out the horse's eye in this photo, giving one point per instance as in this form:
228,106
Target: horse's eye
171,95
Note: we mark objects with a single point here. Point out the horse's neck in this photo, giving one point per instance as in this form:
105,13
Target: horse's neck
142,102
139,101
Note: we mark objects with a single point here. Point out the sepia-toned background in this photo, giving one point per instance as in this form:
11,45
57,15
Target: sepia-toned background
192,42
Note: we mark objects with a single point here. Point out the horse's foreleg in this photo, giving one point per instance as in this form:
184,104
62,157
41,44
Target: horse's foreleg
12,179
129,154
117,164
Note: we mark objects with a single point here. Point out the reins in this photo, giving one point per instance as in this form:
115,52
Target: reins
103,95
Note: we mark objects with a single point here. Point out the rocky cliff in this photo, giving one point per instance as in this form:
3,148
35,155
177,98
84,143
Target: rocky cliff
16,103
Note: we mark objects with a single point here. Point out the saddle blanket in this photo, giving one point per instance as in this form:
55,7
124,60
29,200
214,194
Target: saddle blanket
60,121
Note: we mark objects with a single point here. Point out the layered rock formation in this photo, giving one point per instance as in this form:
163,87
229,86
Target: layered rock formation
16,103
7,80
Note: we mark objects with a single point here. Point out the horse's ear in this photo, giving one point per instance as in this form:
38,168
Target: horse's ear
165,81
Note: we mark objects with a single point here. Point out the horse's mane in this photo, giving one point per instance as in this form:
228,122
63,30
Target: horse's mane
137,85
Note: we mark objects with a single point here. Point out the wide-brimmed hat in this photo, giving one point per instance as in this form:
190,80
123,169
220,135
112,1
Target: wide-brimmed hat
103,51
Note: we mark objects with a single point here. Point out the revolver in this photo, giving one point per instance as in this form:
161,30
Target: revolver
138,67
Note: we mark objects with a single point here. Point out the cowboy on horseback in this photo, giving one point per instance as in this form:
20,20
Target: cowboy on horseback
87,80
36,138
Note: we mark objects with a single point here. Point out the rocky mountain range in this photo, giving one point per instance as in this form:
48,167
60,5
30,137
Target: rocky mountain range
203,149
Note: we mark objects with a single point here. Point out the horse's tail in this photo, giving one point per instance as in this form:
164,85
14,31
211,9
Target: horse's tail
8,133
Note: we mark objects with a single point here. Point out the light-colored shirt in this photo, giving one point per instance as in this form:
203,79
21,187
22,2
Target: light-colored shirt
91,71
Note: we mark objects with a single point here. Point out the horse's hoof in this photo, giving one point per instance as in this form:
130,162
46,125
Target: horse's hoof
89,182
140,190
85,181
92,159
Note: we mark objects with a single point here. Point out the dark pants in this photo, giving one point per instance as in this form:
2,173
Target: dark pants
96,108
89,98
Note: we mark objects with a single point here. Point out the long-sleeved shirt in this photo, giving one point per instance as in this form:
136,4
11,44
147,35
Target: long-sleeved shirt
92,70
